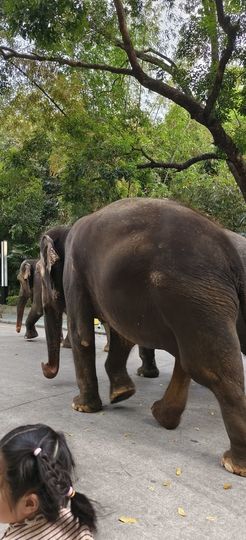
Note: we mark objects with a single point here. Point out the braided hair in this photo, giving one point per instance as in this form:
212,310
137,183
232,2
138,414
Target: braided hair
37,459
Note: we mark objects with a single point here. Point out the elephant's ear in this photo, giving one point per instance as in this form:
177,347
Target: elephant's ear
48,257
48,253
24,272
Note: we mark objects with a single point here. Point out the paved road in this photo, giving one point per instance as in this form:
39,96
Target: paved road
123,456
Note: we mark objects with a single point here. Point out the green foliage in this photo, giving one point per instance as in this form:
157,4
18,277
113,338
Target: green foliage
48,23
216,196
12,300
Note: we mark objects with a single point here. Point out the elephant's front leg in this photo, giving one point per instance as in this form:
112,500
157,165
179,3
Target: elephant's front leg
148,367
53,327
83,345
168,410
31,320
121,385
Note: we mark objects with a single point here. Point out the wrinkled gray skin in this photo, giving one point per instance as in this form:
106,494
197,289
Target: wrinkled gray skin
31,287
149,367
178,284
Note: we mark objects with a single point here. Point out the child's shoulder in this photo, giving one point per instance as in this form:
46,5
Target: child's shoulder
83,533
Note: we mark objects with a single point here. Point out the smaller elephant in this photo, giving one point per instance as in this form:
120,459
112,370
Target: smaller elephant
31,287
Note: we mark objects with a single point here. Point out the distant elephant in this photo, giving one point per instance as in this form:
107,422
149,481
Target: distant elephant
163,276
30,287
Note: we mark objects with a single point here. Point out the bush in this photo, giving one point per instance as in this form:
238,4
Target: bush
12,300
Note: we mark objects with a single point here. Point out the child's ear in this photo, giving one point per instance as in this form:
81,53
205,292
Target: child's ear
30,504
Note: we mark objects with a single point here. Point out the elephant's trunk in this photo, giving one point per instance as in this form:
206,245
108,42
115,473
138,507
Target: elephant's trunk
20,310
53,328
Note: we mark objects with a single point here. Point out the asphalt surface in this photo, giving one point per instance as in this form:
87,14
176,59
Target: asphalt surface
125,460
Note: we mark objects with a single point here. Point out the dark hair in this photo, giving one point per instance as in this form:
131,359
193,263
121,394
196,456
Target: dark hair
47,474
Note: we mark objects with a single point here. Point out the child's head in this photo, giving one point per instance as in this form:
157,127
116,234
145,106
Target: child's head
35,476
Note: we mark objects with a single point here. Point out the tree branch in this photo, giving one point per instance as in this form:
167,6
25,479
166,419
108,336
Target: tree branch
167,66
128,46
147,58
195,109
177,166
8,53
163,56
231,32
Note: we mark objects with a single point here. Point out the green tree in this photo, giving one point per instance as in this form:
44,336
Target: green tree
204,72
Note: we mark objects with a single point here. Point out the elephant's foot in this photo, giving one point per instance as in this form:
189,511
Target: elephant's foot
49,371
148,371
122,392
31,334
168,416
92,407
231,466
66,343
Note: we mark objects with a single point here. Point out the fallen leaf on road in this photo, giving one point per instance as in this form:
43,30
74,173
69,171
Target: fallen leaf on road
211,518
151,488
227,486
126,519
181,511
178,471
167,483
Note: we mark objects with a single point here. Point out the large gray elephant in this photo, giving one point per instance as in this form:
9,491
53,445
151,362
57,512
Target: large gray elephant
165,277
30,287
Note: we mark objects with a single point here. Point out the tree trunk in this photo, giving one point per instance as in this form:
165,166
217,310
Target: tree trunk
234,158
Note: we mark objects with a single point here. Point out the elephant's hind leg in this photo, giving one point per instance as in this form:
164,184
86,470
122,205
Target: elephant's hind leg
220,368
121,385
148,367
168,410
230,394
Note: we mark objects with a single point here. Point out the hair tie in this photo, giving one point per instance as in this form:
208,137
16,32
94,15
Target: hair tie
71,492
37,451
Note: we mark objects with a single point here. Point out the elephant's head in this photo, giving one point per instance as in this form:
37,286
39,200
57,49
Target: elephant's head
50,265
25,277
